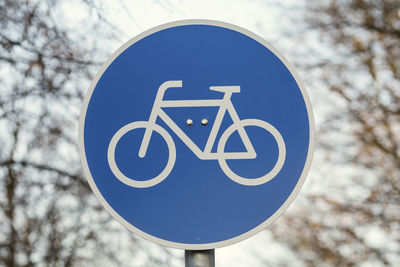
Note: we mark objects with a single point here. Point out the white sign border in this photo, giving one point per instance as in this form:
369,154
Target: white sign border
223,243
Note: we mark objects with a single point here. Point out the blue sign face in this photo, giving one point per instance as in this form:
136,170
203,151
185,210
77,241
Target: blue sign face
196,134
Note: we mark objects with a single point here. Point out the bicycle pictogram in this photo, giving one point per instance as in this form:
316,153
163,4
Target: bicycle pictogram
225,105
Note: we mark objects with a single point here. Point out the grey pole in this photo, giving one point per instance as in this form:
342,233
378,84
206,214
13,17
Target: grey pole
200,258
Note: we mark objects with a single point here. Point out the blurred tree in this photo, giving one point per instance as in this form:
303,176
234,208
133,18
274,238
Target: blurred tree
357,220
48,215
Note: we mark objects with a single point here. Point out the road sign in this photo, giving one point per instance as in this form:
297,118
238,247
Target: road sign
196,134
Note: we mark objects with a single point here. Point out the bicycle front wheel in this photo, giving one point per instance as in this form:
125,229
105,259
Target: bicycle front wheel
131,181
256,180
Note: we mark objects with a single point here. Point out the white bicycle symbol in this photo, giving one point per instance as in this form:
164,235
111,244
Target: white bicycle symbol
224,104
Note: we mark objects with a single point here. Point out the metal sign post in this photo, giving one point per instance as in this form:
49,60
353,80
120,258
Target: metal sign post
200,258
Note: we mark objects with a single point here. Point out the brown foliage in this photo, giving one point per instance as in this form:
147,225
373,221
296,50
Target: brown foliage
48,215
363,131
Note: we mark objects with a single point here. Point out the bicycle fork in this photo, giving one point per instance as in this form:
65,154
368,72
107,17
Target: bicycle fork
154,113
146,137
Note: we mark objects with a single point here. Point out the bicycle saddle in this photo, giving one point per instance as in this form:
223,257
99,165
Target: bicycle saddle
226,89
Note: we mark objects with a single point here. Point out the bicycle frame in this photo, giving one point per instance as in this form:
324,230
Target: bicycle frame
224,104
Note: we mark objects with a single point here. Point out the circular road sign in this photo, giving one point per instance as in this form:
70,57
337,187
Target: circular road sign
196,134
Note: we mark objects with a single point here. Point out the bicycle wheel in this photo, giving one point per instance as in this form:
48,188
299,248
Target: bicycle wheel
257,180
129,180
